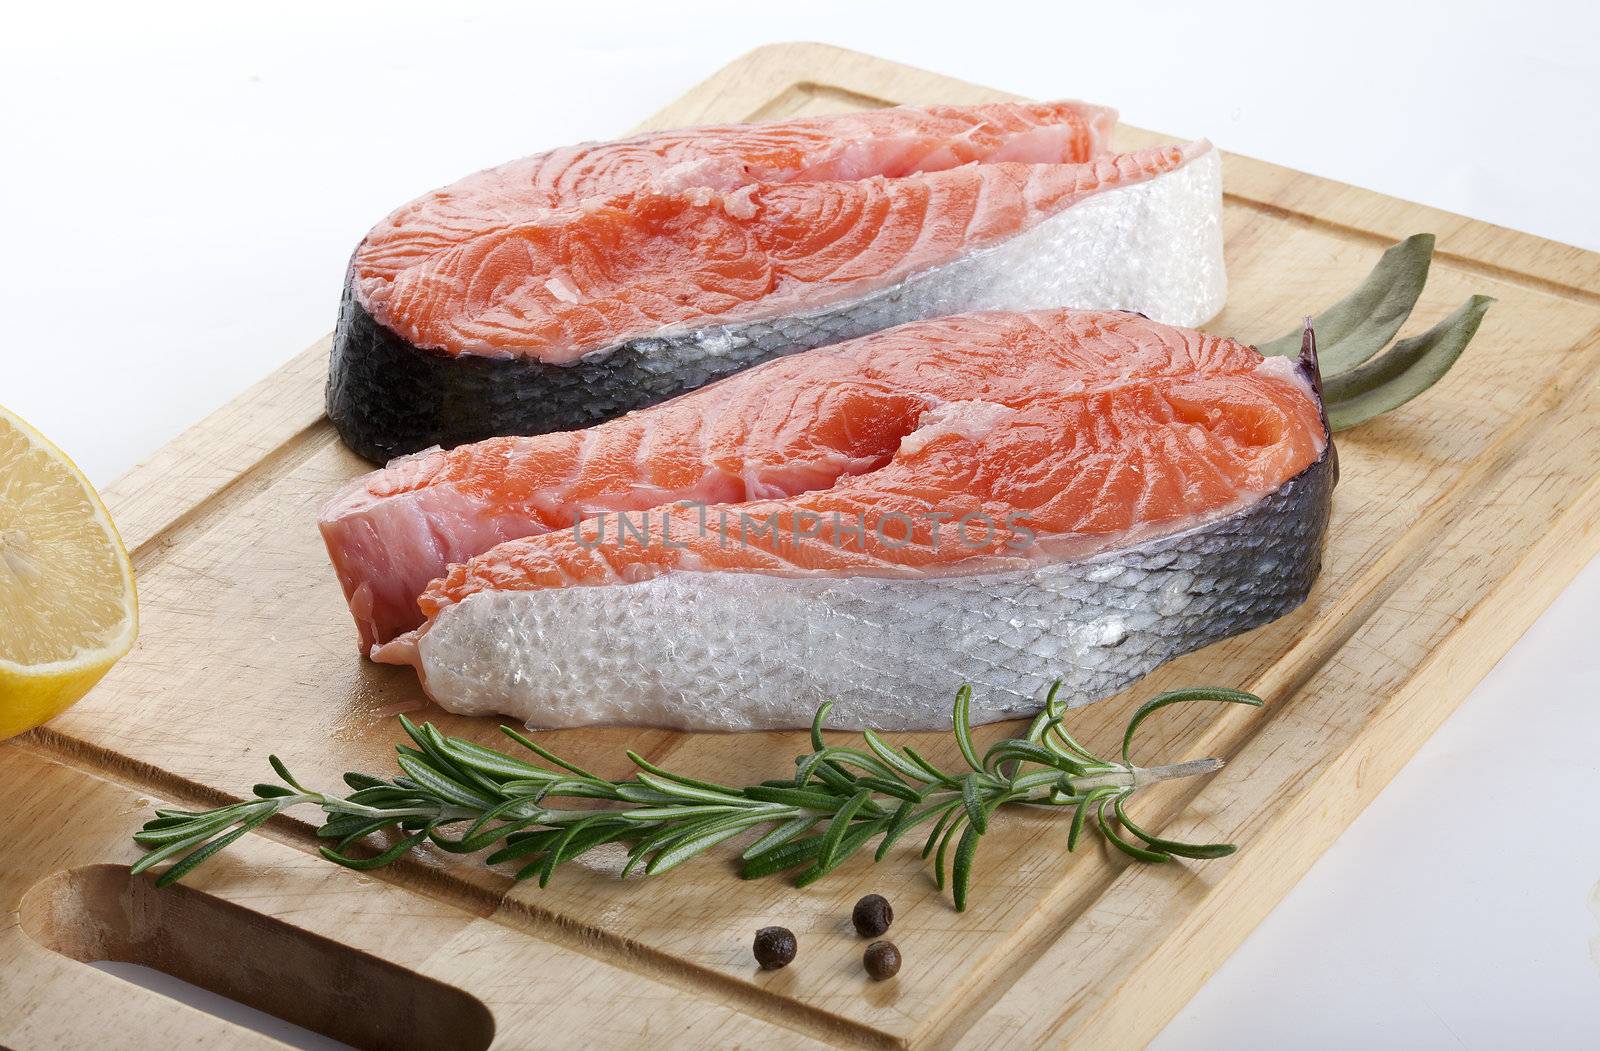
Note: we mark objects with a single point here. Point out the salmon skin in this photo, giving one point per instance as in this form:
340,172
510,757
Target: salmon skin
997,498
568,288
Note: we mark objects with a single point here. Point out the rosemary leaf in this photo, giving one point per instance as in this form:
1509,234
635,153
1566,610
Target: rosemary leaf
961,870
839,826
416,766
193,861
786,856
780,835
690,782
687,847
903,766
963,728
847,847
1202,693
1109,830
1202,851
932,841
388,857
972,799
933,771
960,818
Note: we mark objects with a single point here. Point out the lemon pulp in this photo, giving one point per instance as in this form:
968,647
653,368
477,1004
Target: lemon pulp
68,609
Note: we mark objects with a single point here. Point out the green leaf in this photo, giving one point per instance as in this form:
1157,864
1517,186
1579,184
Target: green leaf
1108,829
489,761
899,827
837,827
558,852
1076,830
1068,747
685,790
193,861
786,856
938,775
863,831
842,756
800,797
886,786
630,792
1196,693
360,832
691,782
1040,723
817,743
197,835
961,870
547,755
831,774
1410,367
963,727
944,844
898,823
1082,812
649,844
972,799
686,847
645,815
905,767
1022,750
431,741
479,835
388,857
283,772
189,828
525,844
388,797
1203,851
588,835
951,809
1363,323
780,835
416,766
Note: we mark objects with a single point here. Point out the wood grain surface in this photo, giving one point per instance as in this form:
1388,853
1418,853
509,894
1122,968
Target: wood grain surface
1459,517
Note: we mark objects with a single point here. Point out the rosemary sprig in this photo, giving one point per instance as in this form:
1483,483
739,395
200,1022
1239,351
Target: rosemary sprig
839,800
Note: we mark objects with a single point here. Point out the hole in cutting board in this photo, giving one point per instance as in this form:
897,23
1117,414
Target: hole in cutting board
104,913
225,1008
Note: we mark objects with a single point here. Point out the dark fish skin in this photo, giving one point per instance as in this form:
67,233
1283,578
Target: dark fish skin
388,398
1239,573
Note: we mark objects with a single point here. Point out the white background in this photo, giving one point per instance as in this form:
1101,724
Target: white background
182,186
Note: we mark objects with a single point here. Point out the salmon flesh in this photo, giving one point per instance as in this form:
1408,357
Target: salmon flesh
1004,499
571,287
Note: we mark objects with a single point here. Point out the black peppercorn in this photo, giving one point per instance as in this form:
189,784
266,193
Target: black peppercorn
872,915
882,961
775,947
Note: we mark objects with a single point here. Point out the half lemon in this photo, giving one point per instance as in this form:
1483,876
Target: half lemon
68,609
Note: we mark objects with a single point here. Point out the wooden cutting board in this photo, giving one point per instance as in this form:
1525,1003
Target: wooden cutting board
1458,518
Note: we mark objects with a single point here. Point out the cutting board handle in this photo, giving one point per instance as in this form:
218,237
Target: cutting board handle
105,913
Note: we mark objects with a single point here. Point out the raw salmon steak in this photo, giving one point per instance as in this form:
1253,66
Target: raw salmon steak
1004,499
570,287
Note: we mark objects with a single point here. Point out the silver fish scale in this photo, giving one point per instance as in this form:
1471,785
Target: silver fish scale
745,651
1154,247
